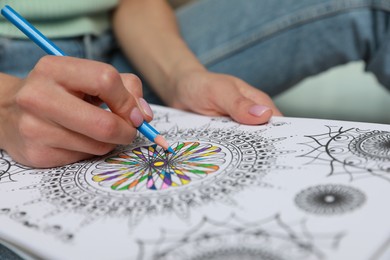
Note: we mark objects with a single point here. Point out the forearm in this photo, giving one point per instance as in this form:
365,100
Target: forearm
149,36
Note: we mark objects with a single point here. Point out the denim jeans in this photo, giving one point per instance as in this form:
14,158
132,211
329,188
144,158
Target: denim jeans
275,44
270,44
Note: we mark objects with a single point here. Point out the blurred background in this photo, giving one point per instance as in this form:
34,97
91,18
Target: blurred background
346,92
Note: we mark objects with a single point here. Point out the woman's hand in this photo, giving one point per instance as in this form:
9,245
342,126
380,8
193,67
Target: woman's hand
219,94
149,35
52,117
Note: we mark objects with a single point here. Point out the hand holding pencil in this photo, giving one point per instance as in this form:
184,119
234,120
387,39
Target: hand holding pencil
54,116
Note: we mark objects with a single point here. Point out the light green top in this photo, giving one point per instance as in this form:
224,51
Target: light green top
60,18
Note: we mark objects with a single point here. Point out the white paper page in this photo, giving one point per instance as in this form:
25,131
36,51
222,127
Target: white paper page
291,189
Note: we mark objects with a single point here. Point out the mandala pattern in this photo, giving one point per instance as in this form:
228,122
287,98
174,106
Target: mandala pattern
269,239
9,168
374,145
210,165
330,199
236,252
358,153
150,167
5,166
25,220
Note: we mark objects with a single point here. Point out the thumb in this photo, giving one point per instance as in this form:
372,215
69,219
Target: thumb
245,111
243,108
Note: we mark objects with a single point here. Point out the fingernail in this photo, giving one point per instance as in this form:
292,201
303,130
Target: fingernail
145,107
258,110
136,117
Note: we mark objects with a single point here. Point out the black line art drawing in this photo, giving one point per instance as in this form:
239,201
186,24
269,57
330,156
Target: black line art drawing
226,193
5,166
9,168
161,117
233,238
330,199
24,219
210,165
352,151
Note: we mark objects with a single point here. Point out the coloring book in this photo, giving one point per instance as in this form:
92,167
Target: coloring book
290,189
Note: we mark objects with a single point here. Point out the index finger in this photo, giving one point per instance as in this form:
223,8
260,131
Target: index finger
92,78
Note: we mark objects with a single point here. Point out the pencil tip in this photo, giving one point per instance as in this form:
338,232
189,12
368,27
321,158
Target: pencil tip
163,143
171,150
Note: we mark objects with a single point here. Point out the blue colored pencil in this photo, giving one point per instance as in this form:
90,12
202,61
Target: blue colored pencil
49,47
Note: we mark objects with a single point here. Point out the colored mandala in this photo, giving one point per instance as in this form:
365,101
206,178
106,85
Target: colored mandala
209,165
151,168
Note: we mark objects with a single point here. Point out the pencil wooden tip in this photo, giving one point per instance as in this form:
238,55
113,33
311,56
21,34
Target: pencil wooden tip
163,143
